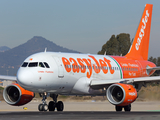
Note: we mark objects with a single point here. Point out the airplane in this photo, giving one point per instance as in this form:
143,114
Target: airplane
119,78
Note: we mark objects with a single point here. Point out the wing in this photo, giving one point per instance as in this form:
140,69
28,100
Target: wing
11,78
104,83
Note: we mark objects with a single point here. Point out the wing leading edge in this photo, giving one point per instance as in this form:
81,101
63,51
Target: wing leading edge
11,78
96,82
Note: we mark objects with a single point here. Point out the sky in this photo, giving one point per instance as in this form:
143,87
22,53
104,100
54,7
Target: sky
82,25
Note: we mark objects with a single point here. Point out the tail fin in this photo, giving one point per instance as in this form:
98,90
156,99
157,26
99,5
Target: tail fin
140,45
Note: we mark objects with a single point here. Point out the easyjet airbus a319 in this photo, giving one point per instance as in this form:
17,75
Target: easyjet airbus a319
119,78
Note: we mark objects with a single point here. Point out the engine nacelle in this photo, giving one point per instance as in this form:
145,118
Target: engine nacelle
121,94
15,95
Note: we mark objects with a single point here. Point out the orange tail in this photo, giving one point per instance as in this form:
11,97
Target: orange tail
140,46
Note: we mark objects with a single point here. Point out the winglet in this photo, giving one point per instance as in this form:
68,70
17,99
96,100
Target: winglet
140,46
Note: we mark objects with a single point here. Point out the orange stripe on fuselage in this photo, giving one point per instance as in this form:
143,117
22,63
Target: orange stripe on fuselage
134,68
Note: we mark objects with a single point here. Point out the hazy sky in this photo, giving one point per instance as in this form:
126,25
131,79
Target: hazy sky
82,25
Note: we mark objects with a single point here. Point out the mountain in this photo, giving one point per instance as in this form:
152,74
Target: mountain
4,48
11,59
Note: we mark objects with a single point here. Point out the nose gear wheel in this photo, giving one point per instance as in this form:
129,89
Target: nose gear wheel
52,104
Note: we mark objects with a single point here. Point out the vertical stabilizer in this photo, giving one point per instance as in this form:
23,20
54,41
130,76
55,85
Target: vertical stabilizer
140,45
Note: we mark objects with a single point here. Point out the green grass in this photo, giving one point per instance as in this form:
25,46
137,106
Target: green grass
1,88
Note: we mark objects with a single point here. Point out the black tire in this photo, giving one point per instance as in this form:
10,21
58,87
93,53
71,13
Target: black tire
118,108
40,107
51,106
59,106
45,107
127,108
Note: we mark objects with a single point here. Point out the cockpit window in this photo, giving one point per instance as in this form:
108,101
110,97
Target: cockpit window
41,65
24,64
46,64
33,64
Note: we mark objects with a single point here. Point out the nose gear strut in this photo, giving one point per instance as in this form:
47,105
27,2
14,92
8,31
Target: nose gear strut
43,106
52,104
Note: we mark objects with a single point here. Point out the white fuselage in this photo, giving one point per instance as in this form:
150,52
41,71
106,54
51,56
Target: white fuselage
66,73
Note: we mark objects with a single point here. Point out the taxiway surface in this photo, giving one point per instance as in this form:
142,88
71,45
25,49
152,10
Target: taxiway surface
85,115
89,110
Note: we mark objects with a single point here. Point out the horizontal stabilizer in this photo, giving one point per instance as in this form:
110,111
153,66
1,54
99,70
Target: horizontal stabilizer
153,68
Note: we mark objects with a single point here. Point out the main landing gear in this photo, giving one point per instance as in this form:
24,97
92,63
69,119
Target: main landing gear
52,104
126,108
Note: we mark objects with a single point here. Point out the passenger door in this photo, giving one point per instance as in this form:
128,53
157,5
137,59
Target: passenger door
60,67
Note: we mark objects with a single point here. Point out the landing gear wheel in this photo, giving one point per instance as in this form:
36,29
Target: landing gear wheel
45,107
59,106
118,108
40,107
51,106
127,108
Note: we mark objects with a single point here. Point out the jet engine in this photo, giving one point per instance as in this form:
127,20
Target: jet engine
121,94
15,95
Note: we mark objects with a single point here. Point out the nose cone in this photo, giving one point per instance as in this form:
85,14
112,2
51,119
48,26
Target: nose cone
25,78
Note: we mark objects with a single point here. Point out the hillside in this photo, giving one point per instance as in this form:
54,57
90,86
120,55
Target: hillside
4,48
11,59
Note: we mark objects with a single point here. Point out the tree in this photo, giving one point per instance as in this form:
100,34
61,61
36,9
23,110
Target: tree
118,45
156,61
150,59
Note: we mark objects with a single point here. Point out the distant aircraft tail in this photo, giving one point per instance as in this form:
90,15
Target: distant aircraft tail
140,45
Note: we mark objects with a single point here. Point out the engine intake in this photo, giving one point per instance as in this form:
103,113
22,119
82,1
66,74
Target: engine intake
121,94
14,94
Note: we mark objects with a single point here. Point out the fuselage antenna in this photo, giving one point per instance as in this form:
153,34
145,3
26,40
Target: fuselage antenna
45,50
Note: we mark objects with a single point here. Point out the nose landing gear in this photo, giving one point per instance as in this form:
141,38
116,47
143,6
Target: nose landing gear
43,106
52,104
